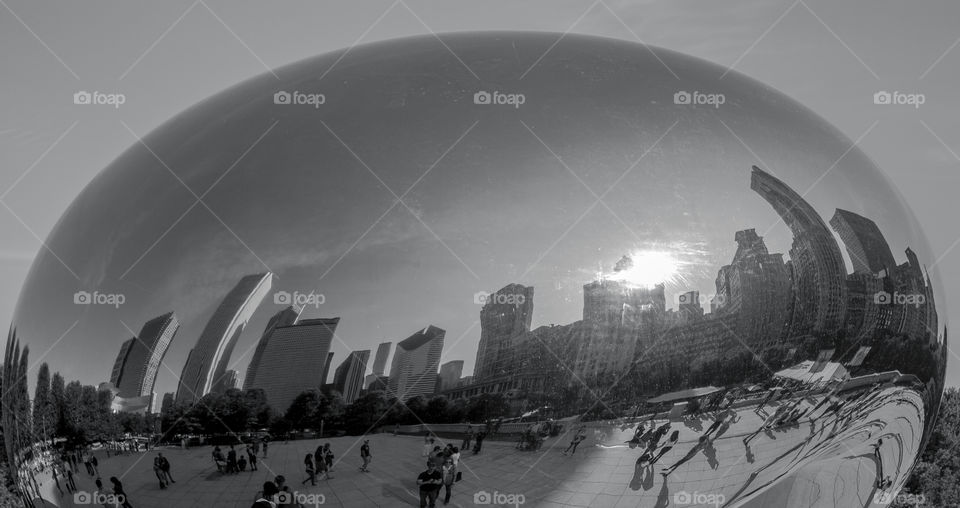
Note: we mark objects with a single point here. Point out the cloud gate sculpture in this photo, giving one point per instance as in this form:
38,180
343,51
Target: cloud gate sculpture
641,279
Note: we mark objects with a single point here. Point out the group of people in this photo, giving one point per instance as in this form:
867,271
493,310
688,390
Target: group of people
232,463
442,472
474,437
321,461
161,468
67,464
270,495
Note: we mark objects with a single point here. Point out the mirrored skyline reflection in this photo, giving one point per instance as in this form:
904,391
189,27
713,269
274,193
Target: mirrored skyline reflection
415,190
495,222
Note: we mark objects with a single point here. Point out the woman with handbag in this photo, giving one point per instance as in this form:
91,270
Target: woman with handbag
449,472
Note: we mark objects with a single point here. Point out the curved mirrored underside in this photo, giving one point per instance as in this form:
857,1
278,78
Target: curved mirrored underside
608,274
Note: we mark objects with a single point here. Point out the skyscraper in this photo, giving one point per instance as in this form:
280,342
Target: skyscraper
293,360
208,360
450,373
326,367
121,361
505,315
415,363
617,317
380,361
868,249
348,379
167,402
231,379
755,286
135,369
819,282
285,317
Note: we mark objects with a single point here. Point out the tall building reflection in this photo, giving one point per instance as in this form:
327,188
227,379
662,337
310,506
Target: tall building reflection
208,360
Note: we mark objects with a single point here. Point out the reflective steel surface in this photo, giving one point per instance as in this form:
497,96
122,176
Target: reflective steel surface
691,281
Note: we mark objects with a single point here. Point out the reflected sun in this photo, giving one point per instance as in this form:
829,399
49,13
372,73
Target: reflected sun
646,268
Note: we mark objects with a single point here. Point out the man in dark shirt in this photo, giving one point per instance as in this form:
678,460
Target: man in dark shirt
429,482
365,455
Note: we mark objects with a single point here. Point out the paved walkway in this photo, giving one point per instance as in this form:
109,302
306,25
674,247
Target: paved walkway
835,460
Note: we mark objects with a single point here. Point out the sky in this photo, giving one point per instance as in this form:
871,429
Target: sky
165,58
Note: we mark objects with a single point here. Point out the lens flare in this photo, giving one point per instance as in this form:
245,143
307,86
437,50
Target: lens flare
646,268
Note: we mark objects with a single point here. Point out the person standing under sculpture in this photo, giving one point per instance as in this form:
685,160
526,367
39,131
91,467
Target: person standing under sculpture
365,456
429,482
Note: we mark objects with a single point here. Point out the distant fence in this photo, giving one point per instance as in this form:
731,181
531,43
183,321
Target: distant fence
457,428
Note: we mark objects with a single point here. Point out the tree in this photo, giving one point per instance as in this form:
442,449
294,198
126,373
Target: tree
57,405
485,406
303,408
44,422
937,474
437,410
258,410
365,412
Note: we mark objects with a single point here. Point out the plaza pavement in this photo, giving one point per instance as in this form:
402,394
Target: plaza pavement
811,463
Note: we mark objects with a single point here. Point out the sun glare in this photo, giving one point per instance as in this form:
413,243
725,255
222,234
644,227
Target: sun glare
648,269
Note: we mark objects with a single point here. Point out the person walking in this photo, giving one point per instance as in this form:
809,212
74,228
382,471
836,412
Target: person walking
478,442
701,443
365,456
311,470
87,464
467,438
328,457
71,485
252,457
159,472
577,439
674,437
427,446
455,456
56,477
449,473
94,464
165,468
429,482
266,444
232,460
118,491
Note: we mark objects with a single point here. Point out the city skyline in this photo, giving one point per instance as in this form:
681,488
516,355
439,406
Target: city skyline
641,218
517,300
